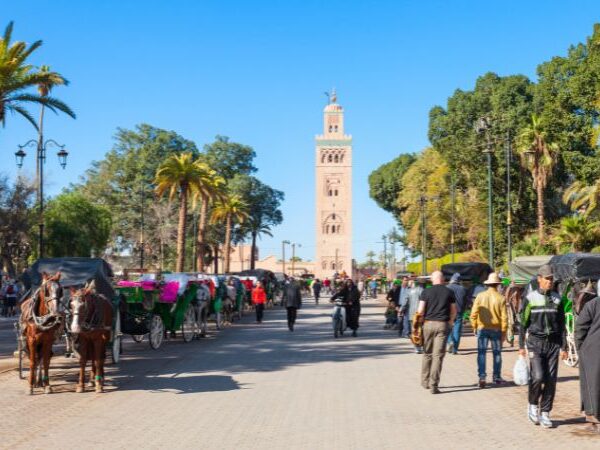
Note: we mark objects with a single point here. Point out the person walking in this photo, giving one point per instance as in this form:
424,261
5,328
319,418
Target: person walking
259,298
373,288
316,287
460,294
351,298
403,319
490,322
414,295
11,292
438,309
587,338
543,321
292,299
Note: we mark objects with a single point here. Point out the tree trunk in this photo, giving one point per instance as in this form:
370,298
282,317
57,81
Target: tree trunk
181,229
227,249
200,246
253,251
540,211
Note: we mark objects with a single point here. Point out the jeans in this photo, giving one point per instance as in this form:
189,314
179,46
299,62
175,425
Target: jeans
435,335
291,316
543,356
404,330
455,333
260,308
483,338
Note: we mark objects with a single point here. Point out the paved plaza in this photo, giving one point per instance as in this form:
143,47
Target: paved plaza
260,386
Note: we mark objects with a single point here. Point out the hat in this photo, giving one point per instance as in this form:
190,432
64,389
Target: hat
455,278
545,271
493,278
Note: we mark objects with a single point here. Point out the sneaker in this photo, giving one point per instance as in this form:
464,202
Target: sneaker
481,383
435,390
545,420
450,348
499,380
533,414
354,333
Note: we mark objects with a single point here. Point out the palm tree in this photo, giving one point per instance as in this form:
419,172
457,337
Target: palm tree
179,175
17,77
578,233
209,189
539,157
256,229
229,210
582,197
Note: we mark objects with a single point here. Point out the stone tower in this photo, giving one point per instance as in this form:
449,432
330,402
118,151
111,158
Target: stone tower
333,194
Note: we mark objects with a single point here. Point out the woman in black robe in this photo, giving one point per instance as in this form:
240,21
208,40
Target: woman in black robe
351,297
587,335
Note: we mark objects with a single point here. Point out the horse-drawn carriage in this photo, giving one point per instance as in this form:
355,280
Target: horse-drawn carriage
153,307
73,296
576,277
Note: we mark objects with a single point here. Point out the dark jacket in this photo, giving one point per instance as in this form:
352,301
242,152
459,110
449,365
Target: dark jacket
316,288
587,336
543,316
292,296
394,295
351,299
460,293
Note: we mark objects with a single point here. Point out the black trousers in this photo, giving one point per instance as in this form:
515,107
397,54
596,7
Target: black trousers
260,309
543,355
291,315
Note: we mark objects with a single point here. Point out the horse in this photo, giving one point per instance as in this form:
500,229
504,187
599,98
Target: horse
41,321
91,325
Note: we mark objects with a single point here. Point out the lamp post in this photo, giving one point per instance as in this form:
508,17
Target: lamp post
41,147
484,125
294,256
508,202
453,206
283,255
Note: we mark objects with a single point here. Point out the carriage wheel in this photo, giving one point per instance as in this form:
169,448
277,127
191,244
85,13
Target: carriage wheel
572,357
188,326
157,332
137,337
116,340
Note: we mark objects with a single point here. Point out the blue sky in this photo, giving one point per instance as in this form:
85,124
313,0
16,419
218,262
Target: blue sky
256,72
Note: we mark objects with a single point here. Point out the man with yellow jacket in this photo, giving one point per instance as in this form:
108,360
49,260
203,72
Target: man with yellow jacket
489,321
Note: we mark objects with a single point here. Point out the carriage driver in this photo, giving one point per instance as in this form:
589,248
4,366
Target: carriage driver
543,318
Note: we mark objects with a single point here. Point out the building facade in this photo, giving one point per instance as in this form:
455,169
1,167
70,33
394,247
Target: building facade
333,194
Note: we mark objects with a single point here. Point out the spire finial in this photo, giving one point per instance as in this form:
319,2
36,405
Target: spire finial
333,96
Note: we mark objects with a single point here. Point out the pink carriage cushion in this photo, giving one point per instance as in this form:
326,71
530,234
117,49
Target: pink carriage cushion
127,283
168,293
149,285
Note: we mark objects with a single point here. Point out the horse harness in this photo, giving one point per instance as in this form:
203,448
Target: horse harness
96,321
49,320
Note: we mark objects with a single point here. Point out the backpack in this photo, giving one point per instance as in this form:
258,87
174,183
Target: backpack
10,289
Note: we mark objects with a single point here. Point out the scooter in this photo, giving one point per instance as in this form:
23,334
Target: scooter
338,317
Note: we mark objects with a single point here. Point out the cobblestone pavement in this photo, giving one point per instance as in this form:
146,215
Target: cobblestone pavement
260,386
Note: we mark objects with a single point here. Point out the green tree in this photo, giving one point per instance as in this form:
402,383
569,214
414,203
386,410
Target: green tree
180,175
263,203
229,158
229,210
75,226
124,182
577,234
385,183
583,197
18,77
533,140
16,220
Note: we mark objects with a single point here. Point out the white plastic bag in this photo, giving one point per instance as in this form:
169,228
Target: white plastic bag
521,372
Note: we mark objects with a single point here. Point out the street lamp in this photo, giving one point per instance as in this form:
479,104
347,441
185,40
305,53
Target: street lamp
283,255
294,256
422,202
41,147
484,125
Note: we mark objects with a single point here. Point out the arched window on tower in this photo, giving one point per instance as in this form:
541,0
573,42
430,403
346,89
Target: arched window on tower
330,193
326,229
324,265
330,158
332,266
342,158
323,158
337,159
330,128
335,192
336,128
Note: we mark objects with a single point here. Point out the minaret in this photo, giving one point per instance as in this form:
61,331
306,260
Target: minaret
333,194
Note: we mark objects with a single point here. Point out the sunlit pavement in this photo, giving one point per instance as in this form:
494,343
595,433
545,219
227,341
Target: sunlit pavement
261,386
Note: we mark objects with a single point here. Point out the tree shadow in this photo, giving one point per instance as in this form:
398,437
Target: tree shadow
179,384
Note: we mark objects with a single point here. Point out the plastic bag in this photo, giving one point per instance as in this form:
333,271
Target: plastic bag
521,372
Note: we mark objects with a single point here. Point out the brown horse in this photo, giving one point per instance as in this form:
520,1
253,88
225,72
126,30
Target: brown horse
92,317
41,320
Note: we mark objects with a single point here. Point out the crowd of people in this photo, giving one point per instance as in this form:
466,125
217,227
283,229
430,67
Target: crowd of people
9,292
432,316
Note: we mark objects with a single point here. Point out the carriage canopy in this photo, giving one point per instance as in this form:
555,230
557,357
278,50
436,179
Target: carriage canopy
468,270
576,266
523,268
75,272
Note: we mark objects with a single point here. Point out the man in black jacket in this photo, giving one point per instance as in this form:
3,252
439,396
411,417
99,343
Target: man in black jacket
292,299
543,317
